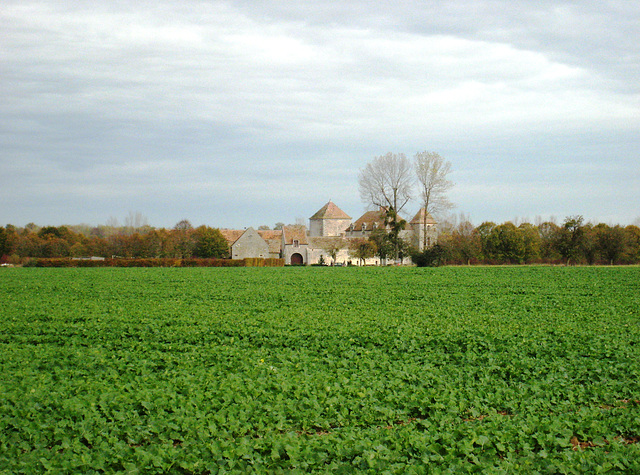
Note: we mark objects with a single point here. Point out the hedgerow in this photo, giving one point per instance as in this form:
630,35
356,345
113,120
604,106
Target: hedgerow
263,262
133,262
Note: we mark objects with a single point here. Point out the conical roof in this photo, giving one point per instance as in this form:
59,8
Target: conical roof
330,211
422,217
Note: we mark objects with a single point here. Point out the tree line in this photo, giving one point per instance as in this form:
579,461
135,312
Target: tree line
571,242
182,242
391,181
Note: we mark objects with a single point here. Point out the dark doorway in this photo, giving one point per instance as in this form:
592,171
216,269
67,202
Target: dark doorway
296,259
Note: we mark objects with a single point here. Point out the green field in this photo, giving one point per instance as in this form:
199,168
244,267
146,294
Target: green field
336,370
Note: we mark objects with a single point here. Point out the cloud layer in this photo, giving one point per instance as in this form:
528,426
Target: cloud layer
244,113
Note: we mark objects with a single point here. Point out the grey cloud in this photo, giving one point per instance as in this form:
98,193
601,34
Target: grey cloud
176,105
602,36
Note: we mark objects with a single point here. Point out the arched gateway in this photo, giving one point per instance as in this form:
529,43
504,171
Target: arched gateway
296,259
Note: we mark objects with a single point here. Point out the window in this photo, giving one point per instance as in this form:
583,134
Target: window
296,243
364,227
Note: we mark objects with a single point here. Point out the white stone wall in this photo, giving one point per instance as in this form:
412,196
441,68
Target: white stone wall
315,227
250,244
342,257
328,227
336,227
290,250
418,236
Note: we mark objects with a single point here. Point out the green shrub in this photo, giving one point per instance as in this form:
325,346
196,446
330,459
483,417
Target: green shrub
430,257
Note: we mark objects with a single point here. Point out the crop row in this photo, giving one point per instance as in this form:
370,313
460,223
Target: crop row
320,369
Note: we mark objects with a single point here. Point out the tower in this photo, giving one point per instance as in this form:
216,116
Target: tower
425,232
329,221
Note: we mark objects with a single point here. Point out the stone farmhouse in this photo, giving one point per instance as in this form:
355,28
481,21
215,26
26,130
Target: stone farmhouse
330,231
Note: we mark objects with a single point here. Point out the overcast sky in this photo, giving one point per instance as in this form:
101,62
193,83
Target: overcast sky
242,113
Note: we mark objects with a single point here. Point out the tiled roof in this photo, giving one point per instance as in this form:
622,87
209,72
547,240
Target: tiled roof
232,235
295,233
422,217
371,217
330,211
270,233
273,239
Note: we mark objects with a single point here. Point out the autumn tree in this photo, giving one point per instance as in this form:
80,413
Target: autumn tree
56,241
362,249
153,243
531,242
463,244
183,239
505,243
97,246
4,242
123,246
589,248
382,245
483,232
429,257
549,234
210,243
632,253
612,242
570,238
432,171
183,225
29,245
11,234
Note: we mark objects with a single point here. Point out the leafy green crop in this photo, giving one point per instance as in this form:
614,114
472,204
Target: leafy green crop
393,370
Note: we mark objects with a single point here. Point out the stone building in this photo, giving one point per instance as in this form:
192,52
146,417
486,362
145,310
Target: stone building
424,230
252,243
328,239
329,221
295,245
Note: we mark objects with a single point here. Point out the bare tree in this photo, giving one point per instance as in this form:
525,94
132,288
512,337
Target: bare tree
387,181
112,222
135,221
432,171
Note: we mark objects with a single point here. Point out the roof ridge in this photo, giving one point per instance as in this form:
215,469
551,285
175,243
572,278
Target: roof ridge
330,211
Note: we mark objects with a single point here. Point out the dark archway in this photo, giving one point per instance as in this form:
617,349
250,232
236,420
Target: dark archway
296,259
